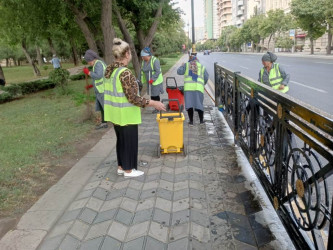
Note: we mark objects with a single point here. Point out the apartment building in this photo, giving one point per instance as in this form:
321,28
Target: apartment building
238,12
212,23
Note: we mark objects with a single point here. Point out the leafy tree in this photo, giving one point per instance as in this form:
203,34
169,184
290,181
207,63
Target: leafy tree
226,34
283,42
329,20
251,30
309,17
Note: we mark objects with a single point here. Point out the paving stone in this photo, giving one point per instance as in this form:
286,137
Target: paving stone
106,184
165,194
70,216
98,229
52,243
111,204
143,215
179,244
87,215
136,244
197,185
121,184
124,216
132,193
244,235
181,177
115,193
118,231
152,177
85,194
181,194
167,177
158,231
168,170
195,244
92,244
199,204
180,205
135,184
181,185
154,170
79,229
238,220
92,185
180,217
94,204
196,170
105,215
178,232
263,236
195,177
181,170
60,229
161,217
110,243
129,204
101,193
146,204
138,230
154,244
166,185
202,234
69,243
78,204
199,218
150,185
148,193
163,204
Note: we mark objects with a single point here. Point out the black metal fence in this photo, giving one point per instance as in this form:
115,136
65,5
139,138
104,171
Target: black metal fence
289,145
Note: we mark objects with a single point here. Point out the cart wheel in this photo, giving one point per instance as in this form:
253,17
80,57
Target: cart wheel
158,151
181,108
184,150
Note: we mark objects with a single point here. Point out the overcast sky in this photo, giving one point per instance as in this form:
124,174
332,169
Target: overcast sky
185,5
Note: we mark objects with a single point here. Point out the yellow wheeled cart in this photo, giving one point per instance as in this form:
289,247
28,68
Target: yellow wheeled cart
171,131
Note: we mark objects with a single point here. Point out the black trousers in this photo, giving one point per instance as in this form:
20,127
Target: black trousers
155,98
190,114
127,146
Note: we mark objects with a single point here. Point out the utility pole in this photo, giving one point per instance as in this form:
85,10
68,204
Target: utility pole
194,52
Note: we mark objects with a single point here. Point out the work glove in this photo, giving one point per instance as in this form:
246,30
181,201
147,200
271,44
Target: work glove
151,81
87,87
86,71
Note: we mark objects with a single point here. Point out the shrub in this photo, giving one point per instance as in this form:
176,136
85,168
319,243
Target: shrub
162,62
13,89
76,77
60,78
45,67
5,97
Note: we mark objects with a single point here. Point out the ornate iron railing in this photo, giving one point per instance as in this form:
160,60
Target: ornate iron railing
289,145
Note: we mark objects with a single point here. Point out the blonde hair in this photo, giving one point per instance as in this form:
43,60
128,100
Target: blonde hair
119,48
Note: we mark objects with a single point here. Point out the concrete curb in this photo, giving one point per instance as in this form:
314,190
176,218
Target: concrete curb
41,217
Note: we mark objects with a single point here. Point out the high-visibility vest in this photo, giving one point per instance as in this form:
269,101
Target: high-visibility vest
99,84
159,79
275,78
117,109
189,84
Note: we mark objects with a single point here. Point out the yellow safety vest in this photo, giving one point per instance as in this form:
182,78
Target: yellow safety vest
275,78
117,109
99,84
159,79
189,84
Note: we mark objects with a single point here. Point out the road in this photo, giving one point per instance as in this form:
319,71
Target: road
311,79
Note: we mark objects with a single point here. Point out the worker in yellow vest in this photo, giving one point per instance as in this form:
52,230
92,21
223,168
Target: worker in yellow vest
272,74
97,74
195,78
151,75
122,105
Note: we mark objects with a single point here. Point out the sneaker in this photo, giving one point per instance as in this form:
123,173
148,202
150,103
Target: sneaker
120,171
190,124
102,125
134,173
203,122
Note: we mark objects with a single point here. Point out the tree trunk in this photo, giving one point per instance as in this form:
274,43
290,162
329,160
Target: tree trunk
39,56
7,62
79,19
108,32
128,39
32,63
15,62
329,40
53,51
2,75
311,46
269,40
74,52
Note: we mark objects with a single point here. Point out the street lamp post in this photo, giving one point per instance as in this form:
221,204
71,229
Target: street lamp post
194,52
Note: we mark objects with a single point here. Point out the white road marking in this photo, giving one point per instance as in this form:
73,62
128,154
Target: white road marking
306,86
243,67
325,62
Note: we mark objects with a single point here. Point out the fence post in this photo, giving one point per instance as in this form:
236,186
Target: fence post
215,81
330,232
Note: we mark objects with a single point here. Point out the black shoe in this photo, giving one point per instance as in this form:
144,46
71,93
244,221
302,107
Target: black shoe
202,122
190,124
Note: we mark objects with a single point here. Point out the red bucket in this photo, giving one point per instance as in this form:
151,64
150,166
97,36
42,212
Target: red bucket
175,92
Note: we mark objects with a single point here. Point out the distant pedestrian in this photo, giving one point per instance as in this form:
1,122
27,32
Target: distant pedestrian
151,74
56,62
273,74
122,107
195,78
97,75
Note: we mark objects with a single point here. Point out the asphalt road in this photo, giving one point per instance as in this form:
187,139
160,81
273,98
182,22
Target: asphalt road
311,79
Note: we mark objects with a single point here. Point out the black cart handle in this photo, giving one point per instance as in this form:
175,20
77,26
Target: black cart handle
170,78
172,116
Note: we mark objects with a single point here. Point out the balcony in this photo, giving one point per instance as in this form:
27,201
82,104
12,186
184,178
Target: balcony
239,22
240,12
240,3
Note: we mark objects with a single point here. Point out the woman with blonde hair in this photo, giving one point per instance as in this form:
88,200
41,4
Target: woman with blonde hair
122,105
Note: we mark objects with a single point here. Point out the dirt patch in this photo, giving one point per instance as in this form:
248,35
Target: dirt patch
56,168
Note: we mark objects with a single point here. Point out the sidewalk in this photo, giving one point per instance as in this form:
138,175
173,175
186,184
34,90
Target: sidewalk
200,201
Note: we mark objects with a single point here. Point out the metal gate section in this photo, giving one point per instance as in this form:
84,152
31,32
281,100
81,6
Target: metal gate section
289,145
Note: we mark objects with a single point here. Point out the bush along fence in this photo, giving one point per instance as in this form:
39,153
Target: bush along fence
289,145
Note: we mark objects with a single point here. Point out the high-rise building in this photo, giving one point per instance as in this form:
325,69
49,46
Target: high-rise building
212,25
254,7
238,12
224,12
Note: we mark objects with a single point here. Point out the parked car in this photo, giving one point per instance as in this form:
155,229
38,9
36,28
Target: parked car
206,52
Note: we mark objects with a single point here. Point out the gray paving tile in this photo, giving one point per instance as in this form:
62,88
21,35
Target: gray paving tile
153,177
179,205
87,215
167,177
179,231
79,229
99,229
197,194
110,243
181,177
138,230
181,194
94,204
100,193
159,231
161,217
163,204
70,216
239,220
244,235
146,204
52,243
154,244
124,217
136,244
92,244
165,194
115,193
60,229
180,217
118,231
132,193
148,193
263,236
143,215
195,177
196,244
129,204
69,243
179,244
105,215
199,218
202,234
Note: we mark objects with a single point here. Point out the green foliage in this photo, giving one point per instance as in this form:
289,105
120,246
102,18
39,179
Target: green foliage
5,97
283,42
13,89
60,78
76,77
45,67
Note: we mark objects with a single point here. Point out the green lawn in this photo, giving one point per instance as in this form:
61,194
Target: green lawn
36,130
